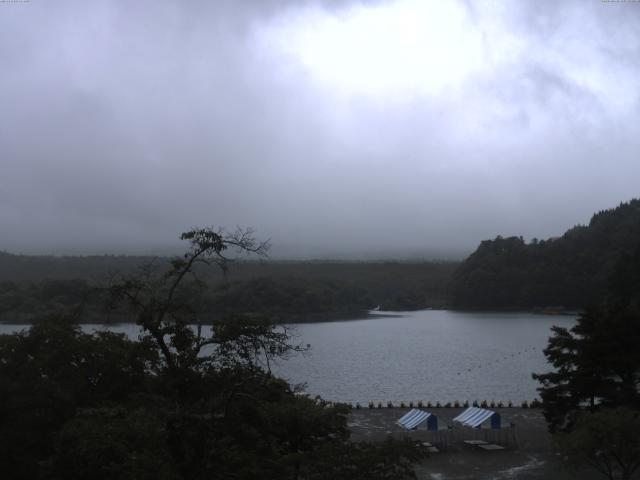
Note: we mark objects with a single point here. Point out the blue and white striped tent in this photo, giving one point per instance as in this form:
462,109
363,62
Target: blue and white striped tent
416,417
474,417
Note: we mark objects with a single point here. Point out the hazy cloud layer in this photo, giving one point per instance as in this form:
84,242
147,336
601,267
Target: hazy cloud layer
372,128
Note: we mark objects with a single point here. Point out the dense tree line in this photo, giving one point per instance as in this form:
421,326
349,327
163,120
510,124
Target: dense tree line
288,291
99,406
570,271
25,302
597,362
34,268
292,298
189,400
591,399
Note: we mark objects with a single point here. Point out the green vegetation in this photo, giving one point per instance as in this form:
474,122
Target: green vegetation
34,268
99,406
597,362
606,440
569,272
183,402
556,275
290,298
32,287
592,398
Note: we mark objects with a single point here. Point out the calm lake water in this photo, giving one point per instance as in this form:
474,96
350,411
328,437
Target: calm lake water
428,355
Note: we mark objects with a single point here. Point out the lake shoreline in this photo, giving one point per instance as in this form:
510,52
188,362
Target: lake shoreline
347,316
429,355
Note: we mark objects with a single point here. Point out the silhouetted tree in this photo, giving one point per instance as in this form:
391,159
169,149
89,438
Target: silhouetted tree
190,400
158,299
51,372
596,362
606,441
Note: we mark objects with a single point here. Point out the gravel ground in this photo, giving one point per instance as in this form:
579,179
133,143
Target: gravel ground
528,454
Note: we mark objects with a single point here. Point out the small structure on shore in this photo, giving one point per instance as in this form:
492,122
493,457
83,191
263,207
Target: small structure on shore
414,418
474,417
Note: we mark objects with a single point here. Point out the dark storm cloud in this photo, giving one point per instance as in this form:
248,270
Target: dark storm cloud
124,123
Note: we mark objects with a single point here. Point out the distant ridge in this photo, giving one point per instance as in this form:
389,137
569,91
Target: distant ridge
20,268
562,273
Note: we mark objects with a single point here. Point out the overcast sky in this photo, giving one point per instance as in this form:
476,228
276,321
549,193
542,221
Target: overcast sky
336,128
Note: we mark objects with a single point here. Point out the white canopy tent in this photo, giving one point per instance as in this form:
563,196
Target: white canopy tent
415,418
474,417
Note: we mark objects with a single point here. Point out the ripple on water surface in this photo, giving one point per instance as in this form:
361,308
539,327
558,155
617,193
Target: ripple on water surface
429,355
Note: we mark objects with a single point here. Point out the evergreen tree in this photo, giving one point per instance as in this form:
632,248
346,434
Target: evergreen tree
570,271
597,362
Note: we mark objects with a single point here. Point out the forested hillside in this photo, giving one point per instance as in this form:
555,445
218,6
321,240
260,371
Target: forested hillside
569,272
33,286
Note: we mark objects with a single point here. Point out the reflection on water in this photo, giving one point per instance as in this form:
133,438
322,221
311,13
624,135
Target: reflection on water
429,355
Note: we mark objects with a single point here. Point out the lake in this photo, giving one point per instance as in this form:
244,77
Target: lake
428,355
